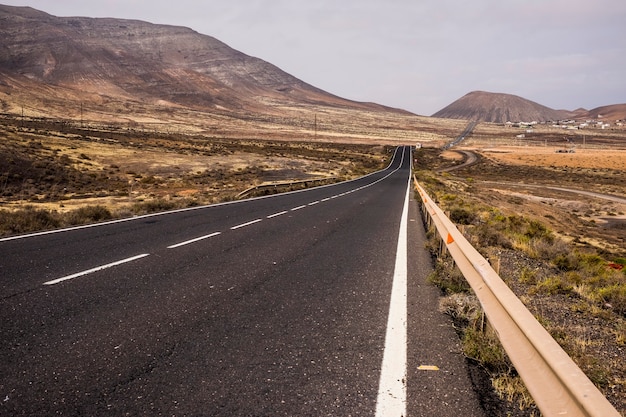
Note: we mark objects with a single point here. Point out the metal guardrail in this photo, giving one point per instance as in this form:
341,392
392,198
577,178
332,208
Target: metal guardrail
277,185
558,386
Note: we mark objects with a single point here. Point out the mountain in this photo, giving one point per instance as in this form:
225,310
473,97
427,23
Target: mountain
49,64
499,108
611,112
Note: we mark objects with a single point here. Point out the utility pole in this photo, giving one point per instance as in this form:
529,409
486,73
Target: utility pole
315,125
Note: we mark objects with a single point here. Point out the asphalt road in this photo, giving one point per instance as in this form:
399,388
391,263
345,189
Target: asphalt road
468,130
275,306
469,158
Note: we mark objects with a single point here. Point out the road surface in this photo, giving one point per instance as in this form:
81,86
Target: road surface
277,306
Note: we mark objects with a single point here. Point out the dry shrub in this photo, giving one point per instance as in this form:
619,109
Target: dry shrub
27,220
614,296
88,214
461,215
552,286
462,307
491,236
483,346
512,389
448,277
154,206
541,248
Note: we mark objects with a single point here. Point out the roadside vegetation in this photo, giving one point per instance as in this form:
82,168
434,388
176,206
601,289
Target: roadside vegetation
576,291
55,174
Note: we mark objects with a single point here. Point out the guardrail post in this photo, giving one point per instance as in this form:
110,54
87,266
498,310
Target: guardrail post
495,264
442,248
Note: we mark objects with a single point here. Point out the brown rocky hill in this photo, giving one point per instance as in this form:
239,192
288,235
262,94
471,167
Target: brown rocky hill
610,113
499,108
46,61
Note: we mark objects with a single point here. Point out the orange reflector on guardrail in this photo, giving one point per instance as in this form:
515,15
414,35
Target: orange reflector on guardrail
450,239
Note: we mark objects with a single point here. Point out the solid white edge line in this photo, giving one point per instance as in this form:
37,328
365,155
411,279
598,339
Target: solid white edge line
96,269
271,216
245,224
391,399
193,240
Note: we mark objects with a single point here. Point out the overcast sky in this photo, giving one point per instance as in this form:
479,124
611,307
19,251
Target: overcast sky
419,55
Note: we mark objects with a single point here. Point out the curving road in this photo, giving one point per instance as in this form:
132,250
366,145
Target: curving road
470,158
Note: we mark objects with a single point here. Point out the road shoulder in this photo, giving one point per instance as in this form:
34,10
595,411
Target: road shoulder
439,381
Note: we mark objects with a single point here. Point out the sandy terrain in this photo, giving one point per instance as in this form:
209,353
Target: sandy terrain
548,157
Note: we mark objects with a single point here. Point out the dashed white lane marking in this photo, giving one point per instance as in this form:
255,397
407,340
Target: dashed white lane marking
245,224
271,216
392,386
194,240
99,268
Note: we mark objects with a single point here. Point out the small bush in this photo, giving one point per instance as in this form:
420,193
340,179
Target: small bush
566,262
528,276
485,348
552,286
88,214
462,216
153,206
549,248
27,220
512,389
591,260
535,230
490,236
463,308
448,278
615,296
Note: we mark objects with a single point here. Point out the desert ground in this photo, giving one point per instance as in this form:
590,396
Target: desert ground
586,189
53,173
581,198
54,167
614,159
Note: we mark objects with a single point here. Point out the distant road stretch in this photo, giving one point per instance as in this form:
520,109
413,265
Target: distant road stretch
468,130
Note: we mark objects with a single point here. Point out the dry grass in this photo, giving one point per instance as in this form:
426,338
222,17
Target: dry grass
60,168
552,256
